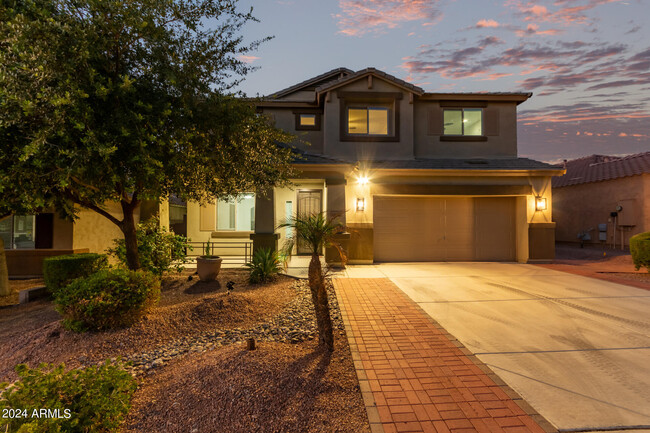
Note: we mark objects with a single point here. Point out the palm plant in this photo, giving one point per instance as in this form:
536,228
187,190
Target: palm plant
317,232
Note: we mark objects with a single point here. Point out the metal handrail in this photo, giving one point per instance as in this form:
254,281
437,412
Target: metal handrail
247,246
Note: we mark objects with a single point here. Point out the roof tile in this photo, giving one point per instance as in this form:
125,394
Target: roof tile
598,168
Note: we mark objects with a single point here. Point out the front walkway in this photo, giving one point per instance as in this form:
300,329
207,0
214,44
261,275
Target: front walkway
414,376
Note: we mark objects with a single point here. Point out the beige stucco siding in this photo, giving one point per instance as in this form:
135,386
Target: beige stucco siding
96,232
584,206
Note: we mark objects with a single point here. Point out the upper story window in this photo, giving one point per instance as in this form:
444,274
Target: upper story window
368,120
307,120
463,121
369,116
237,214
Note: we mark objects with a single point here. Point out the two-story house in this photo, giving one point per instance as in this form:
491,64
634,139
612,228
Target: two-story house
416,176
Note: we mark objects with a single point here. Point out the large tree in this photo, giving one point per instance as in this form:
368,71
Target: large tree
128,100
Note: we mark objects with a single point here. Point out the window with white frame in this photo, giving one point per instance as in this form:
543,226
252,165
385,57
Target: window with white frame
463,121
237,214
17,231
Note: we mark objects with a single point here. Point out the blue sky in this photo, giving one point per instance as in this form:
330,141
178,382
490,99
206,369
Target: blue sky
587,62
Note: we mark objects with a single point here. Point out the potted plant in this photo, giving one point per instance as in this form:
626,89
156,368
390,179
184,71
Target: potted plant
207,265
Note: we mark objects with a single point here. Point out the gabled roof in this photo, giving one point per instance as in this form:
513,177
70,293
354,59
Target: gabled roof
321,79
365,72
597,168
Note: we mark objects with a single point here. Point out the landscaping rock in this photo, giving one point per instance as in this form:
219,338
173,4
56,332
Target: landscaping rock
297,323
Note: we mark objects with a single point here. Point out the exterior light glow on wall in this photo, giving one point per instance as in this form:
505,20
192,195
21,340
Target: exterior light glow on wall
540,203
361,204
363,180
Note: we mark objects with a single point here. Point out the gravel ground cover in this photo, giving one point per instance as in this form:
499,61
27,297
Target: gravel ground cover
190,357
32,333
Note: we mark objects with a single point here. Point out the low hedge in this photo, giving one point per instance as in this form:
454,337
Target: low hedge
59,271
94,399
107,299
640,250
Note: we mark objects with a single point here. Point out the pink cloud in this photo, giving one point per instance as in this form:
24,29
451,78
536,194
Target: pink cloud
565,11
487,23
247,59
533,29
358,17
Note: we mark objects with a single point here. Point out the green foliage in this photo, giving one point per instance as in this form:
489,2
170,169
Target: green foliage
94,399
640,250
265,266
59,271
107,299
316,231
122,101
160,251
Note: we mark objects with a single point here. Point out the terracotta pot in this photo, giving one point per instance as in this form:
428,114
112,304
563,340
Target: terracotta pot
208,267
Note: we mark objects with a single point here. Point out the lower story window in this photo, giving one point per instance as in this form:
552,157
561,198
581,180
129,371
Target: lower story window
467,121
237,214
17,231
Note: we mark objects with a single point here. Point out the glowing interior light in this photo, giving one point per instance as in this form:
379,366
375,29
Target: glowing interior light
363,180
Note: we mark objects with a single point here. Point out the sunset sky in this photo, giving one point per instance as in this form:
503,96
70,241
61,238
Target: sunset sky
587,62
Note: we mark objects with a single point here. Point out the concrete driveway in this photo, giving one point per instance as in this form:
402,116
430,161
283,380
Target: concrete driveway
577,349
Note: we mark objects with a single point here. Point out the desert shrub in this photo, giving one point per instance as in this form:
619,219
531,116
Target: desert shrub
640,250
265,265
58,271
160,250
94,399
107,299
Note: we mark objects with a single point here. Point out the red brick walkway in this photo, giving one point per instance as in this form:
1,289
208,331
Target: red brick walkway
413,375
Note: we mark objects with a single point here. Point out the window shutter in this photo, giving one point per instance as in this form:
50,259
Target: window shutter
208,218
434,121
491,121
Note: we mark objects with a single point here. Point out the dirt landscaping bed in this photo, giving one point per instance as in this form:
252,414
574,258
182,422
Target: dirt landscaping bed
32,333
279,387
190,358
16,286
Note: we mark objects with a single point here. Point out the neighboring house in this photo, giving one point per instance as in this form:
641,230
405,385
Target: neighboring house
603,199
416,176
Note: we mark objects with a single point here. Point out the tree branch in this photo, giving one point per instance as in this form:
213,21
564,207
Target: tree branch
93,207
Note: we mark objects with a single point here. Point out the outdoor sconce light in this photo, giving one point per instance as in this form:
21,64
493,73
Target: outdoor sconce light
361,204
363,180
540,203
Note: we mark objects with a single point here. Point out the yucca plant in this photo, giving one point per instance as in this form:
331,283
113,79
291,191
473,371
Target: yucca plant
265,265
317,232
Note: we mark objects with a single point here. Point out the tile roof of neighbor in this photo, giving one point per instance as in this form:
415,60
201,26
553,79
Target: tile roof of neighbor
333,73
374,71
597,168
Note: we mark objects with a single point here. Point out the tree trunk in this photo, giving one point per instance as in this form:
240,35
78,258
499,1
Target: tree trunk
130,237
321,304
4,272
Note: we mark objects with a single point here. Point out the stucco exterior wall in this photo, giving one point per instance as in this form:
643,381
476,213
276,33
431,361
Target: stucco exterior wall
95,232
584,206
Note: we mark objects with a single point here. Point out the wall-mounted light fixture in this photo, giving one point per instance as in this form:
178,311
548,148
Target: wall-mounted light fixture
361,204
363,180
540,203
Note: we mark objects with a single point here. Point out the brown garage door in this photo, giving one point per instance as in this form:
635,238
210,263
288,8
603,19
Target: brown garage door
444,229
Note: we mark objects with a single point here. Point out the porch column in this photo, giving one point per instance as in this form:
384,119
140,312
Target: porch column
336,199
265,236
336,209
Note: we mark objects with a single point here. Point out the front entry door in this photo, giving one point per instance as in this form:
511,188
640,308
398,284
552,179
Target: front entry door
309,203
